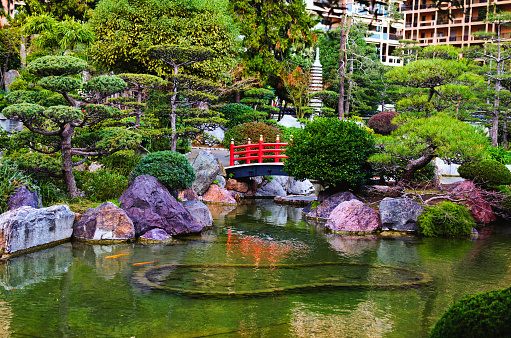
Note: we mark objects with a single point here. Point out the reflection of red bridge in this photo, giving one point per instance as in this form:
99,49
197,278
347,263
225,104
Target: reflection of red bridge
256,159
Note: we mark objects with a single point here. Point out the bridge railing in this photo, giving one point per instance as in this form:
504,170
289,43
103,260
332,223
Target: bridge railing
257,152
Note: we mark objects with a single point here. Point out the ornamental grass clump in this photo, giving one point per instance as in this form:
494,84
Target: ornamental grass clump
446,219
171,168
11,177
488,172
481,315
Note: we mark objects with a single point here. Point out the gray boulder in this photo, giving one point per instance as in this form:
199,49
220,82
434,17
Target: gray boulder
23,197
353,216
150,205
328,205
399,214
295,187
206,168
289,121
199,212
26,227
271,188
106,222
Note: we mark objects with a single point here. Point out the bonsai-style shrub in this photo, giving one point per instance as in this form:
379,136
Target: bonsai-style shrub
488,172
446,219
330,150
171,168
381,123
251,130
238,113
122,162
481,315
11,177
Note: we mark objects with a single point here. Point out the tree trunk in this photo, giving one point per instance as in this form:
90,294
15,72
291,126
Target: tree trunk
173,117
350,86
504,132
412,167
237,97
342,61
495,122
67,161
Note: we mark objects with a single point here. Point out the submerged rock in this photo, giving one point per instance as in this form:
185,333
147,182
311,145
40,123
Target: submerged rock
353,216
106,222
155,236
150,205
27,227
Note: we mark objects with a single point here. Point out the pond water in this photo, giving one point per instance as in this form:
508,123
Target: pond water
260,272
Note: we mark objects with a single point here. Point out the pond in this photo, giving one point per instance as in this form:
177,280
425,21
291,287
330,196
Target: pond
262,271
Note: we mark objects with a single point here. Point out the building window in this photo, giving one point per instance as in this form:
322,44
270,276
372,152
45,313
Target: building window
423,35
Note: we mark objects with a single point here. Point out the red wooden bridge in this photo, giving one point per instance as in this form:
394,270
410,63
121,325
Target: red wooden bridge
257,159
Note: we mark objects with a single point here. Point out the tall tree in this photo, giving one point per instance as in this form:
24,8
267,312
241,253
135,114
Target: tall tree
59,9
51,125
272,30
188,95
125,29
498,52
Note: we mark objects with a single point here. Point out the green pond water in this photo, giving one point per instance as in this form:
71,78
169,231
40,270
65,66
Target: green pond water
260,272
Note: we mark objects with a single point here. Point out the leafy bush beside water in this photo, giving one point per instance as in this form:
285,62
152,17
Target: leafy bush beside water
481,315
446,219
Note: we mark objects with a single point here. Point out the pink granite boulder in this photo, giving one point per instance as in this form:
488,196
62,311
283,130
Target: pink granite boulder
218,195
472,197
353,216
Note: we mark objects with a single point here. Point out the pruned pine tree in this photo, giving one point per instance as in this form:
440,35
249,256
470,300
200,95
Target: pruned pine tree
260,99
66,127
188,96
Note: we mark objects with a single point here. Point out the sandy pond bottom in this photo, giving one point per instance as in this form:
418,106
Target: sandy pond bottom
260,272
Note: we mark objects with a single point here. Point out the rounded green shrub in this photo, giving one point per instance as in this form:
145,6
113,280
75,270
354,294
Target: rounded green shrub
331,150
122,162
238,113
172,169
445,219
381,123
488,172
481,315
251,130
101,185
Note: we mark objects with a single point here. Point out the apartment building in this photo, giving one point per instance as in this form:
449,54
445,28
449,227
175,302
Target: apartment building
427,25
384,33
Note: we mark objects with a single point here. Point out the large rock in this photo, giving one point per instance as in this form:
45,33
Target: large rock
271,189
232,184
353,216
23,197
206,168
26,227
218,195
399,214
150,205
188,195
295,187
329,204
199,212
106,222
289,121
220,180
472,197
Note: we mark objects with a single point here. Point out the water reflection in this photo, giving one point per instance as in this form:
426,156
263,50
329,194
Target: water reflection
76,290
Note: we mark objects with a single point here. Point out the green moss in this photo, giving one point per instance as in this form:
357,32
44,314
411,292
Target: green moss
446,219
